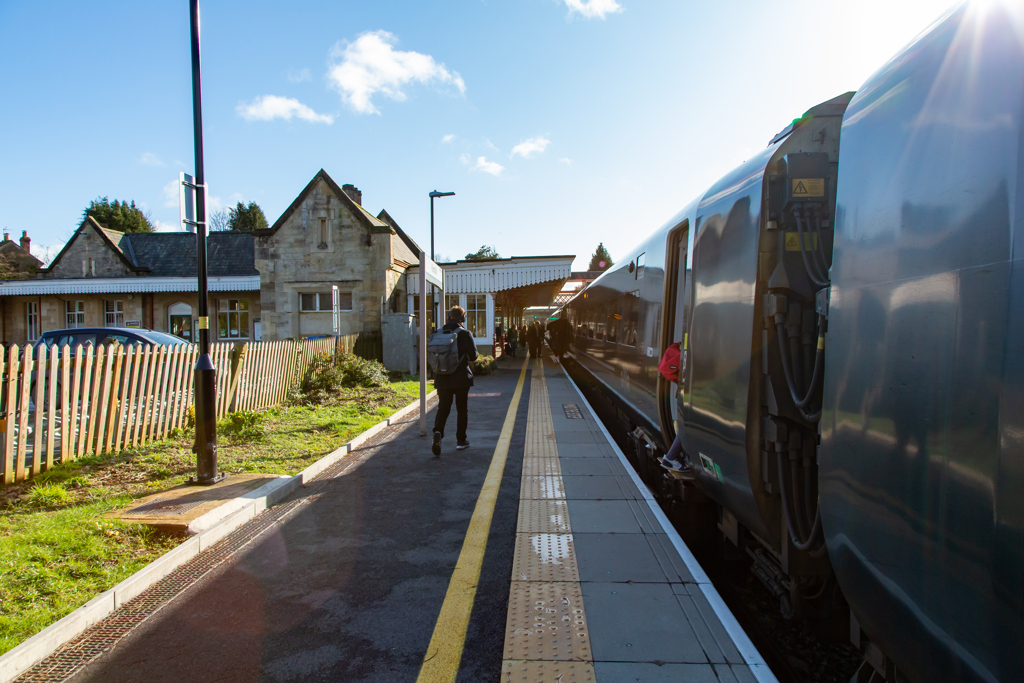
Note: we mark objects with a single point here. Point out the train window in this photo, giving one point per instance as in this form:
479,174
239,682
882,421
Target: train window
640,266
614,318
631,318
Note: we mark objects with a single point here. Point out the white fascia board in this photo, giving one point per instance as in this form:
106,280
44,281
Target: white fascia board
122,285
495,276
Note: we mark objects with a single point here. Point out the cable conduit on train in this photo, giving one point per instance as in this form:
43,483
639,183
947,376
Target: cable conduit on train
784,495
812,271
819,362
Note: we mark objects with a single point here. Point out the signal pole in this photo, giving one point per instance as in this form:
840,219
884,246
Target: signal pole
205,446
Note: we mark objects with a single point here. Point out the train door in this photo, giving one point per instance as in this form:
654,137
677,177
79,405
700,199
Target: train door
674,327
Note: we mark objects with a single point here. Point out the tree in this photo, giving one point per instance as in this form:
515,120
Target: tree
484,253
601,260
246,218
218,220
120,216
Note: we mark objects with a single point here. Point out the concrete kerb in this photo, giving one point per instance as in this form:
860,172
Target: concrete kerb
33,650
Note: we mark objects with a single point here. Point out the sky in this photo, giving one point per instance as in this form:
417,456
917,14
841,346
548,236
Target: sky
559,124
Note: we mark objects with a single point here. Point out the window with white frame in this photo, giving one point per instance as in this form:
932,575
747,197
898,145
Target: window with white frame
32,320
320,302
74,314
233,318
113,313
476,314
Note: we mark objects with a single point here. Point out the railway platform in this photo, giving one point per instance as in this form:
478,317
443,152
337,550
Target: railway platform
534,555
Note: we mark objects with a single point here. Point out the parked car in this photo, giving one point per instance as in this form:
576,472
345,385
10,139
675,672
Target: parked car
95,336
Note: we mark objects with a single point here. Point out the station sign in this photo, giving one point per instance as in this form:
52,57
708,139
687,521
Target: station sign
435,274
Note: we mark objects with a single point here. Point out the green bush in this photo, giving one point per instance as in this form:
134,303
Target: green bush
330,373
244,425
484,365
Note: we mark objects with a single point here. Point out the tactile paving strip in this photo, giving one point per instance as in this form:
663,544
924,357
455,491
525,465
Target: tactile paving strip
543,517
545,557
103,636
517,671
546,622
538,488
541,467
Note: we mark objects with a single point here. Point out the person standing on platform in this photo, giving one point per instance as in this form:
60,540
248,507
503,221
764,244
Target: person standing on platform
513,339
455,386
531,340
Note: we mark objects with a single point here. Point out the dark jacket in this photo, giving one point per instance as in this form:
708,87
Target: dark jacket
462,378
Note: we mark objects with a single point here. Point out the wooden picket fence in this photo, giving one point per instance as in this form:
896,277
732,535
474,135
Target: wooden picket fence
112,397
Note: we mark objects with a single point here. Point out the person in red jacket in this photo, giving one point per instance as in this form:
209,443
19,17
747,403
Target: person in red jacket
669,367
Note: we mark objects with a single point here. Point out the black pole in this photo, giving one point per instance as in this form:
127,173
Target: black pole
432,227
205,446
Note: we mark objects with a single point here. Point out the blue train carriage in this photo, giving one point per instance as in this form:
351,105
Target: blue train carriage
921,457
908,428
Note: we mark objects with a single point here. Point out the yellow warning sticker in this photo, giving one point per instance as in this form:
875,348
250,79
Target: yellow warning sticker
793,241
204,322
808,187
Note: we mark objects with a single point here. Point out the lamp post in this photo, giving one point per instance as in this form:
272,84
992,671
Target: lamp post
205,446
434,194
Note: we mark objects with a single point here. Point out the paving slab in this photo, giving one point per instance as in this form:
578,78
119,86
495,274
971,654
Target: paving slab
589,450
608,516
587,487
618,558
592,467
621,672
640,622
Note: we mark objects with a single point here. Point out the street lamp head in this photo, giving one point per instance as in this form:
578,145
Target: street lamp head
435,193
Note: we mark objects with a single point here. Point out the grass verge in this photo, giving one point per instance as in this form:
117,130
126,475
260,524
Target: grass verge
57,551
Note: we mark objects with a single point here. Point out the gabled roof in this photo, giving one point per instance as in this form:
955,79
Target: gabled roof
386,217
112,238
364,216
12,246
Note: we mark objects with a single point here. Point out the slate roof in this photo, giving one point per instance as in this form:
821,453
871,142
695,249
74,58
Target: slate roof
173,254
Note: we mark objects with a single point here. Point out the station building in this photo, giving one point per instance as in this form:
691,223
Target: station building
268,285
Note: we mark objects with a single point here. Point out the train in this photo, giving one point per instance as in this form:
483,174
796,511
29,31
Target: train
849,305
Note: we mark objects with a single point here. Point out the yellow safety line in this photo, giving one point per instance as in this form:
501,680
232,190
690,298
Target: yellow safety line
444,654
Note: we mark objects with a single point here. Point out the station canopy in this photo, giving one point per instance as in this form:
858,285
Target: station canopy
515,282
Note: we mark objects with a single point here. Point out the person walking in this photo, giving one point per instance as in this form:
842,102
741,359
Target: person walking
455,386
513,339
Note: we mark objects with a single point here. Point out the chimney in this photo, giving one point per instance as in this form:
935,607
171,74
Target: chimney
7,238
353,192
26,243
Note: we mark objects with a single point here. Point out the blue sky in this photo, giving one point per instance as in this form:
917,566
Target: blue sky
558,123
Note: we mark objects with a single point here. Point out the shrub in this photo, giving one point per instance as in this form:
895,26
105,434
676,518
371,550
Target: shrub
49,496
484,365
244,425
328,373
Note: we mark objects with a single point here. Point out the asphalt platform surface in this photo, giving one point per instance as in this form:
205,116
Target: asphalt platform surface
348,586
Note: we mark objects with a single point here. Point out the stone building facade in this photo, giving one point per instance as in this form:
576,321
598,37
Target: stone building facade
324,239
106,278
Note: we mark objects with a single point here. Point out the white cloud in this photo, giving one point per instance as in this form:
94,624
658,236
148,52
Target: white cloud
160,226
492,167
593,8
170,193
532,146
299,76
491,145
150,159
271,107
448,138
465,159
371,64
565,160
